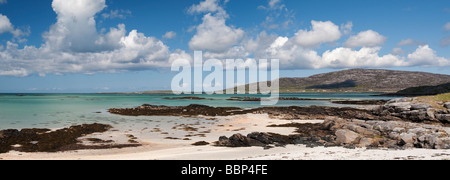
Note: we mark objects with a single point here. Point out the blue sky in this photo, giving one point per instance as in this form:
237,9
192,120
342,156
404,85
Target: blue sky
116,45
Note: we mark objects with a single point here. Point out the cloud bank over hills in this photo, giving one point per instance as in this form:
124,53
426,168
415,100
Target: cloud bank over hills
73,44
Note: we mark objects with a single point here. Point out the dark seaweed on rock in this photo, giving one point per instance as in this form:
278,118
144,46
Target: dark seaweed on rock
293,112
45,140
191,110
255,99
311,137
287,113
186,98
318,112
362,102
201,143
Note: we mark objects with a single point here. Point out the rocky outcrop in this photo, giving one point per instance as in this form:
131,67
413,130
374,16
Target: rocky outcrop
191,110
253,139
288,113
361,102
394,110
186,98
409,109
351,134
280,99
319,112
404,109
393,134
400,123
310,138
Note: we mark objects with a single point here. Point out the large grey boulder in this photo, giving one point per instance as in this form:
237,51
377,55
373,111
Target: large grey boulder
432,141
399,106
345,136
386,126
333,123
366,142
400,100
394,135
418,131
362,130
444,143
443,117
447,105
420,106
430,113
407,139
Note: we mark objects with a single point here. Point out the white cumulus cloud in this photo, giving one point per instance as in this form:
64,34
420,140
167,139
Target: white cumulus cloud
170,35
425,56
75,29
7,27
365,57
73,45
206,6
368,38
321,32
295,56
213,34
5,24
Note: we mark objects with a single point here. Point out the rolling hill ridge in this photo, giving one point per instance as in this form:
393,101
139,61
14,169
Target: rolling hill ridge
362,80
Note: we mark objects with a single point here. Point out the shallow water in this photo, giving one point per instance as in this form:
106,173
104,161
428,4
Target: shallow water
61,110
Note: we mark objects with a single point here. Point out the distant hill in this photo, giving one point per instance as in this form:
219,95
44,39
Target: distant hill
423,91
361,80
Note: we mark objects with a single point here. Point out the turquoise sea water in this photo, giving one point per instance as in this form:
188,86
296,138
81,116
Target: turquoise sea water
60,110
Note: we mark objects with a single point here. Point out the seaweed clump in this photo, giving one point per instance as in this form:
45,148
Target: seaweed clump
45,140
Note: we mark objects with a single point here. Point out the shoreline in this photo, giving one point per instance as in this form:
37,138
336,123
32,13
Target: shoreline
171,93
290,152
201,132
153,138
156,147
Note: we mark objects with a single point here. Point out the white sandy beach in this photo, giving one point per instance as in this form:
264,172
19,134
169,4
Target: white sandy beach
157,147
